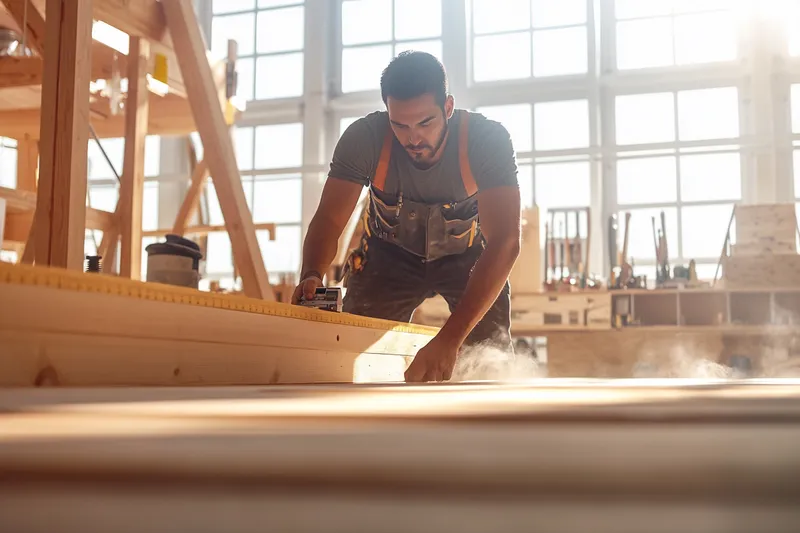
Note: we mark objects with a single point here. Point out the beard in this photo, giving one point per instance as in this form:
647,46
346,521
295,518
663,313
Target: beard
421,154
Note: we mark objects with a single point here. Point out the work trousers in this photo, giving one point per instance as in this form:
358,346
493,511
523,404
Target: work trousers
394,282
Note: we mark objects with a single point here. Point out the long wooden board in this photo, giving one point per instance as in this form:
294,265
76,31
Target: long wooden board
79,329
555,456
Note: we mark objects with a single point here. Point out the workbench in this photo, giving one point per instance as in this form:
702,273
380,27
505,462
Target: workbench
551,455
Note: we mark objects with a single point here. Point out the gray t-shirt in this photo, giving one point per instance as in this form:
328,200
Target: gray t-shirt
491,158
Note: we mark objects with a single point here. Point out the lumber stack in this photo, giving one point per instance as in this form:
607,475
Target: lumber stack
765,253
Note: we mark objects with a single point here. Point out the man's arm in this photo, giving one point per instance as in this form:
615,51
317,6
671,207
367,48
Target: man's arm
499,211
339,199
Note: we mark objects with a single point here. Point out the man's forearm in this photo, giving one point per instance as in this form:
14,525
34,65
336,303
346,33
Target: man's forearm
487,280
319,248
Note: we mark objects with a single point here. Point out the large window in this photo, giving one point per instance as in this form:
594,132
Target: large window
513,39
678,154
661,33
552,142
273,188
270,39
374,31
8,162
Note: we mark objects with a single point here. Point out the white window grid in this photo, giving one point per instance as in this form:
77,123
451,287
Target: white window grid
529,37
252,66
392,43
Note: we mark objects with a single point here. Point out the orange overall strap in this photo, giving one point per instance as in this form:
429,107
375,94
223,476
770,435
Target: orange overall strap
463,156
379,180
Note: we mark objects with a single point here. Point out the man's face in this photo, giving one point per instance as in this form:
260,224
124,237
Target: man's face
420,126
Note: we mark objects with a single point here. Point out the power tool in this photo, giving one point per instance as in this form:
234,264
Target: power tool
326,298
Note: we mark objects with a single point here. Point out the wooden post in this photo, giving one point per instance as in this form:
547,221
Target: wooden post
61,201
132,186
191,202
217,145
27,163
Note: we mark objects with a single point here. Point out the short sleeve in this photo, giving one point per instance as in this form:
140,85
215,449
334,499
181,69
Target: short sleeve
491,154
355,158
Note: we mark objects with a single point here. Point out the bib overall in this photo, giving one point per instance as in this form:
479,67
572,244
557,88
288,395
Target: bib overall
411,251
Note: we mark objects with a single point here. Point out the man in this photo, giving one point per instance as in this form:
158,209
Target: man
443,215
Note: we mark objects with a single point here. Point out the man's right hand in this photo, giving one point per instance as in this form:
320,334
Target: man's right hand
306,289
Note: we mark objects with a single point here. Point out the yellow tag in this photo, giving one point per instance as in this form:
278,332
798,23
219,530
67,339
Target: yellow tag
230,112
160,69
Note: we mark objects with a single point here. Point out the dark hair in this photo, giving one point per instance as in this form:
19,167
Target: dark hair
412,74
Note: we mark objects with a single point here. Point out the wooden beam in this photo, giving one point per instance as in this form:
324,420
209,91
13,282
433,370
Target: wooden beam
27,163
218,146
19,201
28,71
20,71
137,18
205,230
61,201
144,18
35,28
191,202
132,186
169,115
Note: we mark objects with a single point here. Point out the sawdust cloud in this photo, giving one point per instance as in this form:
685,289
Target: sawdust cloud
684,360
488,363
692,362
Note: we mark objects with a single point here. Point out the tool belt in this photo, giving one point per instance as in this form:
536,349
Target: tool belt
427,231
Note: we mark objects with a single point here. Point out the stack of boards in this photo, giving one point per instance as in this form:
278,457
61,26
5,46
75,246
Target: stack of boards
552,456
765,253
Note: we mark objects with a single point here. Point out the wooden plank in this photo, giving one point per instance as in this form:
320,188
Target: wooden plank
218,146
25,11
526,275
20,71
767,227
28,71
206,229
587,310
27,163
191,202
169,115
144,18
88,342
61,201
132,185
746,271
312,458
20,201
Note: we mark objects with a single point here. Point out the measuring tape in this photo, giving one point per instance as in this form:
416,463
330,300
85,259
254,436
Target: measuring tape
57,278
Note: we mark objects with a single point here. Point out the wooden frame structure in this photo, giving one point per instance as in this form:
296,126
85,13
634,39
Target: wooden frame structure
46,103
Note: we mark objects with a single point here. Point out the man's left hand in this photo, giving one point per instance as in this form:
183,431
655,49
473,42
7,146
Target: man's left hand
434,362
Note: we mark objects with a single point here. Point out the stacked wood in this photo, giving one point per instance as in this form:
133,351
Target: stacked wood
765,253
765,229
526,275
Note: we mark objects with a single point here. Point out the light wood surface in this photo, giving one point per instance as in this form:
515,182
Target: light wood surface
548,455
61,198
77,336
131,194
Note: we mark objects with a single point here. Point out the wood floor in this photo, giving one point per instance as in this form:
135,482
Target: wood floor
546,455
